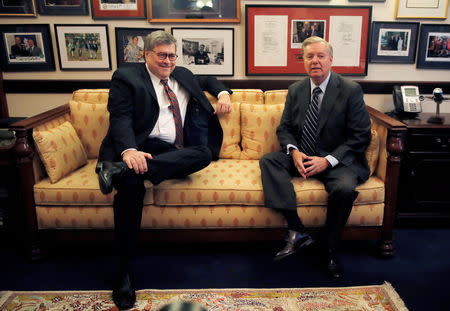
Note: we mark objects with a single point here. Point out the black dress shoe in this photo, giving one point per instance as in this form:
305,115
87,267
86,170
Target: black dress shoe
124,292
333,267
295,241
107,171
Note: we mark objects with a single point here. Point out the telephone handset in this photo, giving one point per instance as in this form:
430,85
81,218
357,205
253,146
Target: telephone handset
406,99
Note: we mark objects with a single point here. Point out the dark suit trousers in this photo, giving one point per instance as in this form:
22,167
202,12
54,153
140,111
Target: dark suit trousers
277,170
167,163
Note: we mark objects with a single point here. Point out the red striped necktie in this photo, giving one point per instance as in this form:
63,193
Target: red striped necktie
175,108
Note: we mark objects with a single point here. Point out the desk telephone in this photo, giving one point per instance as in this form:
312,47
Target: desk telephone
406,99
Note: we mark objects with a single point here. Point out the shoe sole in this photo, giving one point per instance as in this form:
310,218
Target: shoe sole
304,244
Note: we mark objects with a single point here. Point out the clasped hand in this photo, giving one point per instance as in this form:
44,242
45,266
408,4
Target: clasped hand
308,166
223,104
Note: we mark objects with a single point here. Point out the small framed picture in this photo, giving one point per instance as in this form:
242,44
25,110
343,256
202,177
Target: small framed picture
83,47
26,48
206,51
119,9
63,7
393,42
22,8
434,46
436,9
130,45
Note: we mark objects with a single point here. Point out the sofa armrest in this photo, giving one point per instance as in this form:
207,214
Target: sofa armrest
392,134
25,161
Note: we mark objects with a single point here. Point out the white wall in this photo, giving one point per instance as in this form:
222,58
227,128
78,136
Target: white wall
30,104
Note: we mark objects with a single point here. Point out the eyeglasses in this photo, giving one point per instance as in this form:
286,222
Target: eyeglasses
163,56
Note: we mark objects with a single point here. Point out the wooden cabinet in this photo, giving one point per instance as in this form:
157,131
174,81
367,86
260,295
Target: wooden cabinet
424,188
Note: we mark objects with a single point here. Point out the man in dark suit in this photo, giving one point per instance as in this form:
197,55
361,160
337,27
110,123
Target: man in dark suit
324,133
162,126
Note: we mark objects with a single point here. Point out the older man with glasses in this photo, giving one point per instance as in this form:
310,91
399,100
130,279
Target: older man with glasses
162,126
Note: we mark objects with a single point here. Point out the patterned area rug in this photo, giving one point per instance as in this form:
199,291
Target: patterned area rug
366,298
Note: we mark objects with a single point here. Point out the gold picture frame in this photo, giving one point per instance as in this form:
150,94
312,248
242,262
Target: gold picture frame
430,9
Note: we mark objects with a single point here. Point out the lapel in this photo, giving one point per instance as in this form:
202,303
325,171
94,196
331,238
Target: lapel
329,101
146,78
304,97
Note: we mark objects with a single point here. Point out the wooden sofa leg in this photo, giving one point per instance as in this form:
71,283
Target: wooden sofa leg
386,249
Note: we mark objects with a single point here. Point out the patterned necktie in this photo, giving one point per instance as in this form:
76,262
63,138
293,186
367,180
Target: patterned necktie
175,108
308,144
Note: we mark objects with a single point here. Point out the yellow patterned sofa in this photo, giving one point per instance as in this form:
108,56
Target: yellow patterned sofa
223,202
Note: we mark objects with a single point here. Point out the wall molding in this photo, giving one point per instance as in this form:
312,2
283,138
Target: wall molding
68,86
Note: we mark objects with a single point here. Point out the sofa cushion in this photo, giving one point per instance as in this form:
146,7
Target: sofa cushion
91,96
231,126
275,97
91,121
258,129
60,150
373,151
239,182
249,96
78,188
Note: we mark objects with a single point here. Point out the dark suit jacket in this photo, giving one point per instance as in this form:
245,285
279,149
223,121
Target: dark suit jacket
344,123
134,110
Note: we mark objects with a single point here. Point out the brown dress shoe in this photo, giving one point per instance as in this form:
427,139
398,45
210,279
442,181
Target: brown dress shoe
295,241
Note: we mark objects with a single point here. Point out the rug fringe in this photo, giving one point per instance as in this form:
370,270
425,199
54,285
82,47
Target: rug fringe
4,296
396,300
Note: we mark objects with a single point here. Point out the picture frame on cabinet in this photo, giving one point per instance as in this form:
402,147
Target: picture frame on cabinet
26,47
24,8
83,47
394,42
434,43
194,11
432,9
119,9
206,51
63,7
130,45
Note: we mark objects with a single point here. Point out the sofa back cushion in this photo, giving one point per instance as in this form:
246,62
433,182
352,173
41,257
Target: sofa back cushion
258,129
91,96
91,121
231,126
249,96
275,97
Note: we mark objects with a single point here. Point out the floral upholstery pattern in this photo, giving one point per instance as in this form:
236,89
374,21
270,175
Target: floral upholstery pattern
231,126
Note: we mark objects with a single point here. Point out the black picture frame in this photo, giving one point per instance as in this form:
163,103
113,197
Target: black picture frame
83,46
25,58
430,57
394,42
63,7
123,36
27,9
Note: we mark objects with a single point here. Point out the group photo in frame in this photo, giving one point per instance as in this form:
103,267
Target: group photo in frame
194,11
274,34
394,42
83,47
22,8
130,45
432,9
434,46
206,51
119,9
63,7
26,48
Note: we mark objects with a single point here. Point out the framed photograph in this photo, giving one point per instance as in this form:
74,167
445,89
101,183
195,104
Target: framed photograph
20,8
194,11
63,7
274,36
130,45
83,47
118,9
206,51
393,42
26,48
434,46
421,9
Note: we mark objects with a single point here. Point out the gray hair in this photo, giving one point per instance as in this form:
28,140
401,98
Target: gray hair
159,37
315,39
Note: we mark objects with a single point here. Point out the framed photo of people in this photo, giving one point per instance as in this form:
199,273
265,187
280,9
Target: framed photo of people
119,9
63,7
434,46
393,42
130,45
83,47
194,11
26,48
20,8
206,51
274,36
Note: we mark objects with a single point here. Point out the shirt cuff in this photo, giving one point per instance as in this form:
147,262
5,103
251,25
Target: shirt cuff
332,160
223,92
126,151
290,146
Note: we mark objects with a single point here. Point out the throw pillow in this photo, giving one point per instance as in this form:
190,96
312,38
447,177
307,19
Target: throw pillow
231,126
373,151
60,150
